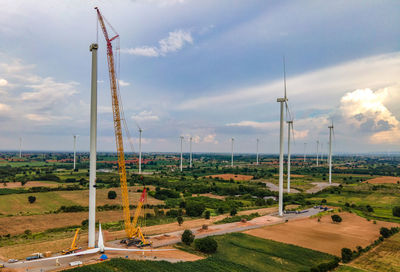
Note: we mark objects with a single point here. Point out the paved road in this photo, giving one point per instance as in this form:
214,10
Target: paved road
319,186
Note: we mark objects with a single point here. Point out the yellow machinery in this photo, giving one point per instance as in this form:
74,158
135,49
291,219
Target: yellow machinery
133,231
73,245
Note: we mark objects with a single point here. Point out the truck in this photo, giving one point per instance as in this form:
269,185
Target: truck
34,256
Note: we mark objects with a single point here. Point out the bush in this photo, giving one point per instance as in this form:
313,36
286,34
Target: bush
206,245
396,211
180,220
194,208
207,215
233,212
385,232
187,237
112,195
347,255
31,199
336,218
369,208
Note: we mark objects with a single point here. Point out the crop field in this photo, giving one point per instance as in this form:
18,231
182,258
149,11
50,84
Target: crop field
385,257
383,180
29,184
324,236
232,176
236,252
17,204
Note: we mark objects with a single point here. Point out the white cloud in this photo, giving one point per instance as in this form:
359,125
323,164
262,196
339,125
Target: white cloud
145,116
175,41
210,138
254,124
324,85
123,83
4,107
3,82
364,109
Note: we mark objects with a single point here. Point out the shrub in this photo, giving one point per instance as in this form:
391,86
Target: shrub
207,215
385,232
31,199
220,210
180,220
369,208
28,232
194,208
233,212
336,218
323,201
187,237
396,211
112,195
206,245
347,255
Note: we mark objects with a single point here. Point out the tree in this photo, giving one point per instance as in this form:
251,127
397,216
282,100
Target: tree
180,220
194,208
187,237
336,218
233,212
385,232
31,199
112,195
207,215
347,255
396,211
206,245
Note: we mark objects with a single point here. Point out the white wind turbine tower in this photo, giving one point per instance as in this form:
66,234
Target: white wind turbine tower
257,162
322,153
290,130
181,167
317,150
305,145
190,160
75,136
283,103
232,140
330,152
140,149
20,147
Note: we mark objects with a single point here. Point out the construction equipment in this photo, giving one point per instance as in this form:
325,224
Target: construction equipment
133,231
73,246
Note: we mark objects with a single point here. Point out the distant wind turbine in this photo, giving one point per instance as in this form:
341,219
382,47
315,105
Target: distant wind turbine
258,141
190,161
20,147
232,140
181,154
317,150
140,150
331,131
75,136
322,153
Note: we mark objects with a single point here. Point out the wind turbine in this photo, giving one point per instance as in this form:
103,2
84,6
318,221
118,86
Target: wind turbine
317,151
322,153
181,167
20,147
290,130
283,103
75,136
140,150
330,151
190,160
258,141
232,140
305,145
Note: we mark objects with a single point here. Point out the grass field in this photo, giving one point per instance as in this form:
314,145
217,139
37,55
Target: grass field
18,204
346,268
385,257
236,252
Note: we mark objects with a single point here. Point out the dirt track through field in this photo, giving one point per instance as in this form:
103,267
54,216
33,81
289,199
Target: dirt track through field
324,236
232,176
29,184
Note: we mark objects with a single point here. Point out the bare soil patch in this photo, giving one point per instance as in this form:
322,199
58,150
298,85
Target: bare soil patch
382,180
29,184
324,236
232,176
210,196
291,175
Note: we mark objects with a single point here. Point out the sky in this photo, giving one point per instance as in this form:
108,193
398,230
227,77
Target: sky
210,70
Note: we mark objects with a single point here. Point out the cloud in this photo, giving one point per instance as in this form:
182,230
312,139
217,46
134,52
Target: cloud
123,83
175,41
376,72
4,107
364,109
210,138
145,116
254,124
3,82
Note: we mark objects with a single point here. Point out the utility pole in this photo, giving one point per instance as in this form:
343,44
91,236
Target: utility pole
181,154
93,148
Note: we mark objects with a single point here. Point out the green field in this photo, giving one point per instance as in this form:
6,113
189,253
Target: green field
236,252
345,268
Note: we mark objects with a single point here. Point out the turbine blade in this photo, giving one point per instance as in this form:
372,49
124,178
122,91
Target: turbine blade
284,76
137,249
